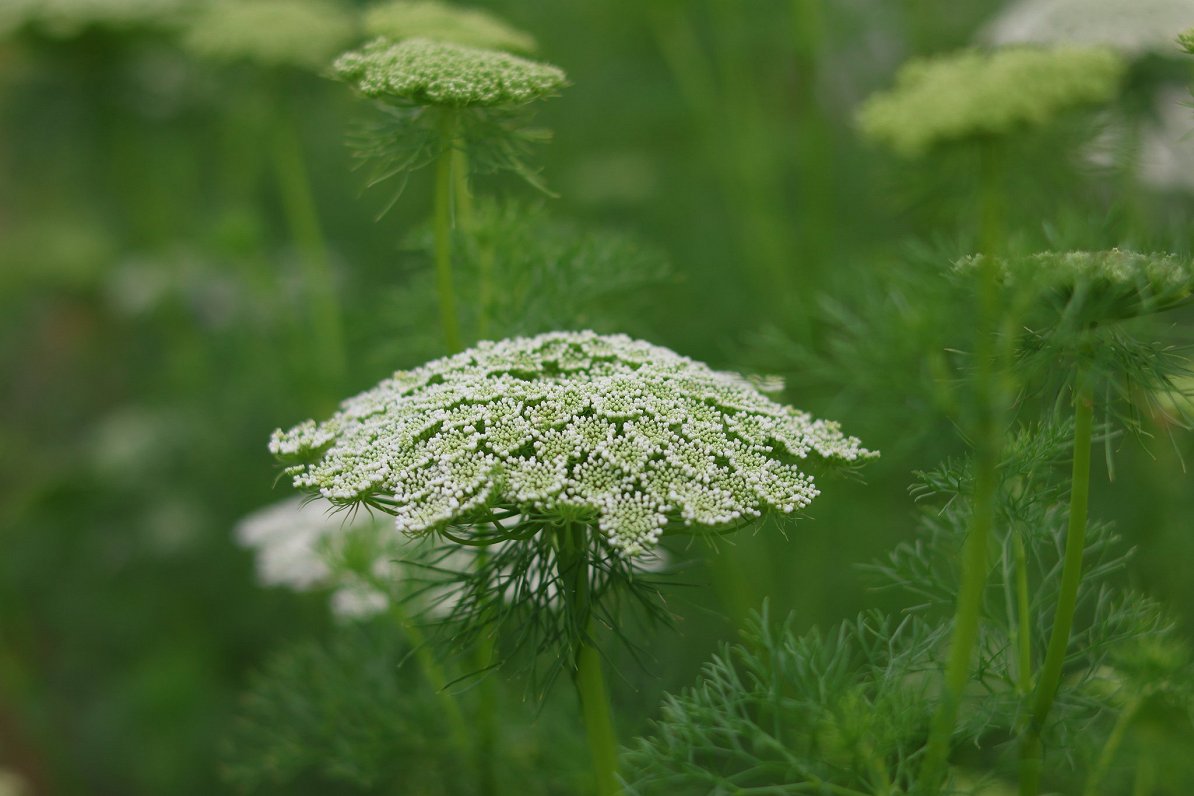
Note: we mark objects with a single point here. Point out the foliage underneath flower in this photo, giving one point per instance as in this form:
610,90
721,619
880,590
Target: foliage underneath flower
974,94
422,19
1094,287
297,33
1133,27
567,427
426,72
1186,41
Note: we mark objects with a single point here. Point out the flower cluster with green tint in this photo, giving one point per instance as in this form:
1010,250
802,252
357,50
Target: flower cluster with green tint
471,27
298,33
626,436
1133,27
1186,40
426,72
67,18
977,94
1102,285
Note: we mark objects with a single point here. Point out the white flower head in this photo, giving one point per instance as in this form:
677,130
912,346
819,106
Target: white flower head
1133,27
629,438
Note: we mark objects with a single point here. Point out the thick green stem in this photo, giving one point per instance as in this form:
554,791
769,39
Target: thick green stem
587,674
443,229
1067,600
298,204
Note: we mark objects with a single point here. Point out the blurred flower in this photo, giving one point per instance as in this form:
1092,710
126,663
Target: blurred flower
1094,287
471,27
566,427
66,18
425,72
974,94
1186,40
1132,27
297,33
1164,156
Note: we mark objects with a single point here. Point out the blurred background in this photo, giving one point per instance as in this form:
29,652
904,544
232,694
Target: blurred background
159,209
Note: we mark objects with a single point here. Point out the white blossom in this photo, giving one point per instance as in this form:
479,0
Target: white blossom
629,437
1133,27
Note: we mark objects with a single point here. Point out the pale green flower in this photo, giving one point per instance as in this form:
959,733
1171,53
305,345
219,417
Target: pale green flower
66,18
300,33
425,72
1186,40
630,438
471,27
1132,27
1094,287
976,94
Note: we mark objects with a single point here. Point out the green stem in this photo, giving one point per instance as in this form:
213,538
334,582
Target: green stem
1071,578
443,229
298,205
988,436
1114,741
1024,618
487,707
434,673
587,675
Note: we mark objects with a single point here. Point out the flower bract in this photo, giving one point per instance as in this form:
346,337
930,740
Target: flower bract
472,27
426,72
976,94
628,437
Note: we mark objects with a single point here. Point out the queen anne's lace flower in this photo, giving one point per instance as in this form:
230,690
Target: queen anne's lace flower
629,437
472,27
302,33
426,72
973,94
1102,285
1133,27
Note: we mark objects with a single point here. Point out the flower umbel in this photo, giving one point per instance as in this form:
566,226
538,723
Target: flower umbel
630,438
975,94
295,33
426,72
471,27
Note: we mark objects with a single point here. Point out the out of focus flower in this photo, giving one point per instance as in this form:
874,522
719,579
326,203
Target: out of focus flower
297,33
1132,27
471,27
977,94
66,18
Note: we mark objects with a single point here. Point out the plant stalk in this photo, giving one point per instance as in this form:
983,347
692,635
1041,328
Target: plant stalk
1067,600
443,229
302,216
587,674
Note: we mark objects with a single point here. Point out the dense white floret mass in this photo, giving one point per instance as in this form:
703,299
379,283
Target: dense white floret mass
426,72
630,437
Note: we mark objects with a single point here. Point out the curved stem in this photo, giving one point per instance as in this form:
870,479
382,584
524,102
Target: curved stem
1067,600
1114,741
587,674
443,230
1024,618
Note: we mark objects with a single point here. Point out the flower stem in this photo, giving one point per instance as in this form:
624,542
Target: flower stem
587,674
1067,600
443,229
988,436
298,205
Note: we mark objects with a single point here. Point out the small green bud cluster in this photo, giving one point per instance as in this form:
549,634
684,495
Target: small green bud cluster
627,436
299,33
422,19
1100,286
1186,40
426,72
977,94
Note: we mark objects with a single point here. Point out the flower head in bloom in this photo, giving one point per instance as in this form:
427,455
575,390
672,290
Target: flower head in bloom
426,19
426,72
628,438
1093,287
1132,27
298,33
976,94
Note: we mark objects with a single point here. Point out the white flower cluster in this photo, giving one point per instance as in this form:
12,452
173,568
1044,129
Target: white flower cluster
427,72
1133,27
299,33
625,435
430,19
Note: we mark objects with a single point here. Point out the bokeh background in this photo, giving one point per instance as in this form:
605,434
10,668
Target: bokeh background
154,326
